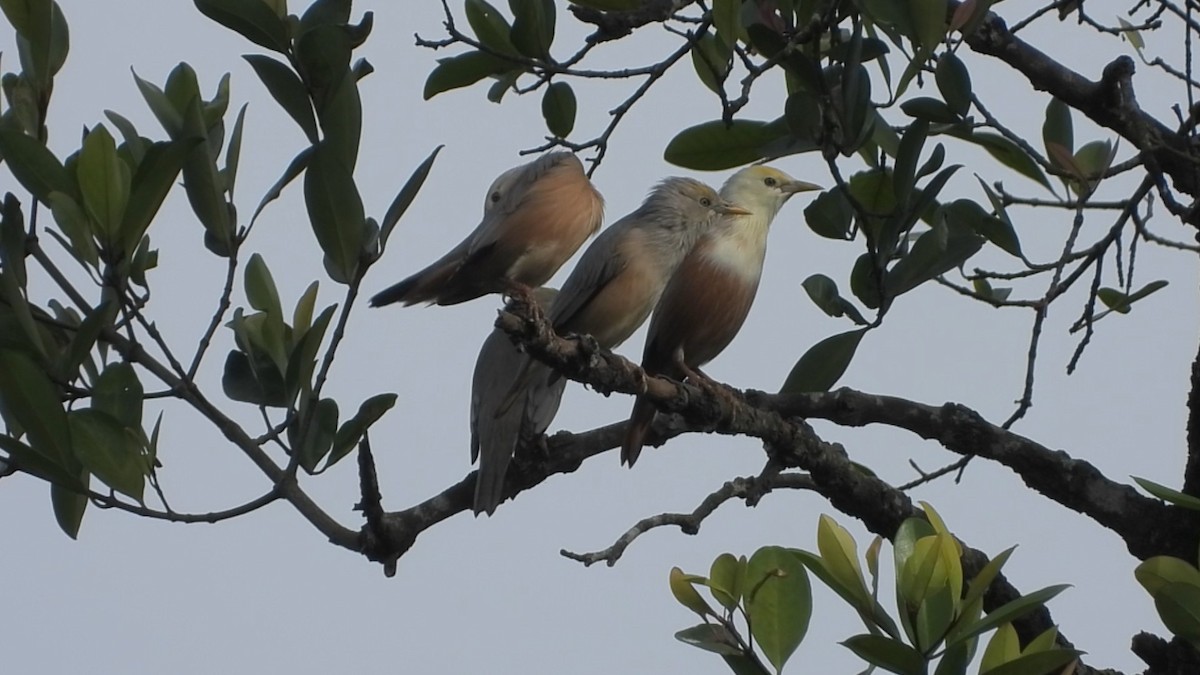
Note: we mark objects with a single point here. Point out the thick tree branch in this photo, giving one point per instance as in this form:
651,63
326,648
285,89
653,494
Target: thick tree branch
616,25
1191,473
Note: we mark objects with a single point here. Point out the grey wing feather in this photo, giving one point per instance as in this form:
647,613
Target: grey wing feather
601,263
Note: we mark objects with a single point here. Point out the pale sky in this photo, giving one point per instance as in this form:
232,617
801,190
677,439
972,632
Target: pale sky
266,593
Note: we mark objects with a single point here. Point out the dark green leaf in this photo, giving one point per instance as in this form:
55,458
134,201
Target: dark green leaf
823,364
29,397
966,213
150,184
954,83
254,20
779,602
119,394
726,19
1009,154
104,181
325,13
726,578
883,652
405,197
135,142
824,293
558,109
934,617
905,170
929,109
929,22
352,431
287,90
489,26
1013,610
318,436
830,215
26,459
261,386
954,661
935,252
865,282
463,70
69,505
108,450
1058,127
301,361
34,167
170,118
710,59
335,210
533,27
713,146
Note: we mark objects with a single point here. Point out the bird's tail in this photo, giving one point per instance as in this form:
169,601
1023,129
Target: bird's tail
635,436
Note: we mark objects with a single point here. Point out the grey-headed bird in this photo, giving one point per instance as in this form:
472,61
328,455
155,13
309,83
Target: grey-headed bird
706,301
535,217
495,433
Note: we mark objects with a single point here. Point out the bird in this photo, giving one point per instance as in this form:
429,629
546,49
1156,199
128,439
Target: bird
618,280
535,217
708,298
495,434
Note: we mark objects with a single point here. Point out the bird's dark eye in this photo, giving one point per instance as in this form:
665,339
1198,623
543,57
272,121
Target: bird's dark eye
495,196
770,181
705,202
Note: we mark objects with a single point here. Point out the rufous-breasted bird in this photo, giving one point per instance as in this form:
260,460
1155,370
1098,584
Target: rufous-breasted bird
495,434
621,275
535,217
706,301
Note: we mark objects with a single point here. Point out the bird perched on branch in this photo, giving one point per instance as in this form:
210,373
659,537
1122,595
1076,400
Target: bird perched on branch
706,301
496,434
621,275
535,217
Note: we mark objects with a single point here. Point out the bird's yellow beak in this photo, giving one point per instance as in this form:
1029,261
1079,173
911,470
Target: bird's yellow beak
730,209
792,187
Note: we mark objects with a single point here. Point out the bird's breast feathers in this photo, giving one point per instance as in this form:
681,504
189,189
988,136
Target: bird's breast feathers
738,246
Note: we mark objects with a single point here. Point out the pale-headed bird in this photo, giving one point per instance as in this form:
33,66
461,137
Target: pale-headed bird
535,217
706,301
495,433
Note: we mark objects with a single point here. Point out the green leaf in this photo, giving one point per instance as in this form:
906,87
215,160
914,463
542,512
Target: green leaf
685,592
489,26
726,578
108,450
1156,573
154,178
1120,302
104,181
726,19
710,59
865,282
710,637
288,91
713,146
1039,663
405,197
85,337
75,224
463,70
302,359
119,393
823,364
1058,129
319,435
262,386
1168,495
533,27
69,505
558,109
1044,642
354,428
935,252
954,83
884,652
954,661
164,111
823,291
905,170
840,556
34,167
1013,610
29,397
335,211
1010,155
979,585
1002,648
1178,606
779,602
24,458
929,109
260,287
929,22
1134,37
254,20
830,215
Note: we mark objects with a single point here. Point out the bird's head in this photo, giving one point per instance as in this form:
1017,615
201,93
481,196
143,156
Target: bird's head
763,190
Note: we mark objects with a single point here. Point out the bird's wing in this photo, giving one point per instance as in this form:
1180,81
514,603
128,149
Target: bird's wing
601,263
